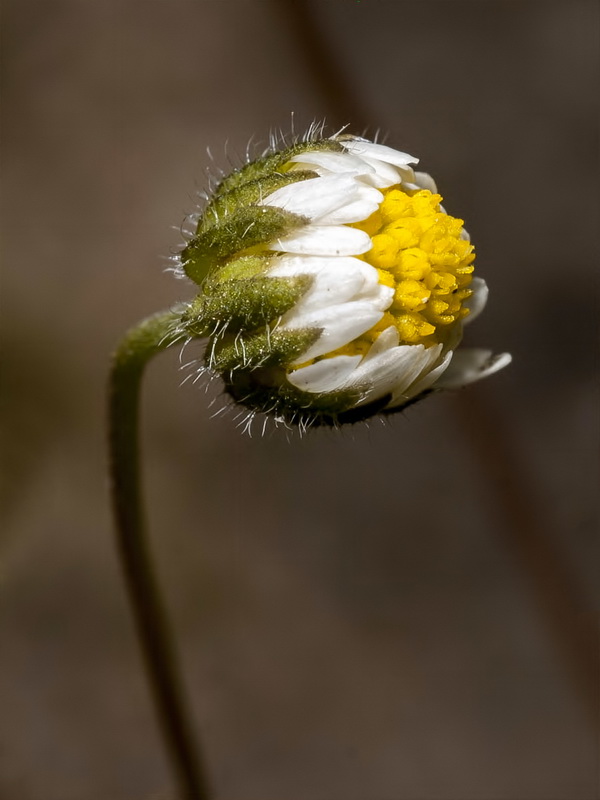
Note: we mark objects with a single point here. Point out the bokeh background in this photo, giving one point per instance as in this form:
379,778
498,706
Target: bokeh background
395,612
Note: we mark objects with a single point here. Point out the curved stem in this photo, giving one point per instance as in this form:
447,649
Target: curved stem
140,344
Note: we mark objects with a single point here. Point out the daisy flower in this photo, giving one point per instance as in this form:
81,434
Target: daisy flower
334,284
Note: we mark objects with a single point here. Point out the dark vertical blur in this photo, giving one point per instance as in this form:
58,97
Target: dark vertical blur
403,610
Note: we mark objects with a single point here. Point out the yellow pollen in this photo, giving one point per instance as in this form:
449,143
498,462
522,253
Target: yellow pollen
418,251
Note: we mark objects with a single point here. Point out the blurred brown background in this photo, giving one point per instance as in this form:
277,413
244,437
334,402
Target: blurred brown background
395,612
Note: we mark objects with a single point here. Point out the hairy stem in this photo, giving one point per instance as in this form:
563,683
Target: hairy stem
140,344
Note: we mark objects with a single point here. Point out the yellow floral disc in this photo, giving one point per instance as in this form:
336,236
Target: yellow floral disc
418,250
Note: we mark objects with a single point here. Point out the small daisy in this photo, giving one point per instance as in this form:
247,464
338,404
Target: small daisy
334,284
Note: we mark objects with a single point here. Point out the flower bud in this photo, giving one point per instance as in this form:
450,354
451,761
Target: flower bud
333,284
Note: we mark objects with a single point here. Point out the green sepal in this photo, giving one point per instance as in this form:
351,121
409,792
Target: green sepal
250,193
241,268
269,348
240,231
243,304
274,162
269,392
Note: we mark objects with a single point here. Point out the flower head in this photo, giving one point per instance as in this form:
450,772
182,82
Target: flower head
334,285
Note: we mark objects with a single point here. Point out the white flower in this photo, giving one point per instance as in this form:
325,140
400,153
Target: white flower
387,286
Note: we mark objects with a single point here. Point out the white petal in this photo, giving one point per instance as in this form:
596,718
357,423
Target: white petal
324,240
424,381
330,288
425,181
291,265
340,325
316,196
340,269
476,302
428,360
381,296
360,147
385,341
390,371
383,174
366,201
471,364
396,369
329,161
325,375
408,177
